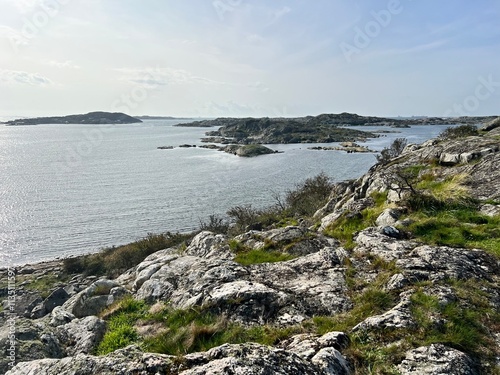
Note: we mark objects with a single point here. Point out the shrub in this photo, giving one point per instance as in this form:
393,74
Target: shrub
394,150
309,196
115,260
215,224
461,131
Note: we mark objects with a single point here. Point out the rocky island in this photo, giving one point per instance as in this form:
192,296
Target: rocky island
89,118
396,272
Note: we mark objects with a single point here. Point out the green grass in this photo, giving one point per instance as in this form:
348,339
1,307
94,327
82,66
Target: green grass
347,226
44,284
450,324
461,227
120,329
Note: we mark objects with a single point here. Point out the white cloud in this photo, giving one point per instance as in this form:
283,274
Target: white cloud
163,76
62,64
24,6
12,34
24,78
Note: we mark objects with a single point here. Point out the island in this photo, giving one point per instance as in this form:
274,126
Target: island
89,118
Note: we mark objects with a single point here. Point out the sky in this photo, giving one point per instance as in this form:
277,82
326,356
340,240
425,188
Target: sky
276,58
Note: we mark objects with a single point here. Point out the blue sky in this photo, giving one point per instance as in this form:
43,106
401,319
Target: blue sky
250,58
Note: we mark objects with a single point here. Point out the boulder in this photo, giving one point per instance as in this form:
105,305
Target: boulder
92,300
490,210
491,125
207,244
269,292
56,298
81,335
244,359
388,217
437,359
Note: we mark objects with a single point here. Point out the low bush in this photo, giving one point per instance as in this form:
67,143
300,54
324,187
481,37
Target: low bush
215,224
115,260
461,131
394,150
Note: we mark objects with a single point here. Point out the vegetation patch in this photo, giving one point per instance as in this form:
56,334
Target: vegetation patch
120,330
461,131
349,224
115,260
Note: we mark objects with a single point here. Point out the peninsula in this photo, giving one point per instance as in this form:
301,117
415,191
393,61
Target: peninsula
89,118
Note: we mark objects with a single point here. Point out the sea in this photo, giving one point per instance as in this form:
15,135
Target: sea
68,190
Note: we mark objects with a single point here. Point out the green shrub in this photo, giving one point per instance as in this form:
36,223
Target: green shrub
308,196
215,224
116,260
458,132
394,150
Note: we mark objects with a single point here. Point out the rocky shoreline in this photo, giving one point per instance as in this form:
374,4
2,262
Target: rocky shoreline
373,282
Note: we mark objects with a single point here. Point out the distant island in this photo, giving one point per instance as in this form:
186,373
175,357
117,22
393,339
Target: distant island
349,119
324,128
146,117
89,118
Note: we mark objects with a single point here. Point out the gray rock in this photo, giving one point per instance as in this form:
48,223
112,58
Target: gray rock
388,217
399,316
437,263
449,159
392,232
490,210
313,284
372,241
494,124
207,244
437,359
242,359
92,300
60,317
56,298
81,335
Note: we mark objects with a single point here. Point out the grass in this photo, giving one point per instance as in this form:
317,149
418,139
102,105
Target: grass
183,331
457,227
348,224
43,284
121,320
450,324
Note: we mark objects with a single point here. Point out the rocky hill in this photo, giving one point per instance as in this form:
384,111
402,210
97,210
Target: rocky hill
89,118
325,128
395,273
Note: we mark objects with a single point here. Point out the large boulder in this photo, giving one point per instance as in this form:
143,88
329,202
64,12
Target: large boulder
437,359
285,291
94,299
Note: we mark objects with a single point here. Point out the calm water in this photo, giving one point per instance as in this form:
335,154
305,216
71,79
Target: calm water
73,189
